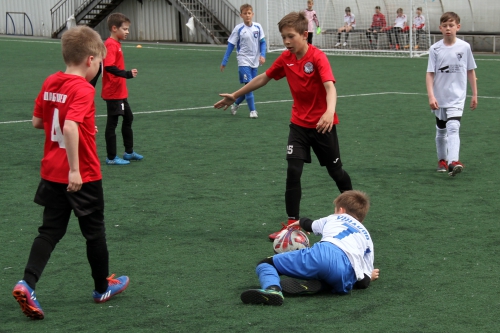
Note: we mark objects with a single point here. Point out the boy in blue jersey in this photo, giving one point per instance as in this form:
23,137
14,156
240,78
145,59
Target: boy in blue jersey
249,40
341,261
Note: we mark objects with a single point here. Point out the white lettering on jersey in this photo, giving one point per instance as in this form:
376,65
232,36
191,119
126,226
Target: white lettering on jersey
56,134
54,97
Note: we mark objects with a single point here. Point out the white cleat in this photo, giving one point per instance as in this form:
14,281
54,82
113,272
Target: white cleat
337,45
253,114
234,108
345,44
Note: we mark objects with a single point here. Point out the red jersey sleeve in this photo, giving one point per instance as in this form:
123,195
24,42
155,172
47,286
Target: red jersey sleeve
277,71
110,59
384,22
324,68
81,104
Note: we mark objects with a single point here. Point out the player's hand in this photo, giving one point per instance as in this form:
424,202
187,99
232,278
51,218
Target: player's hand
225,102
473,103
74,181
222,68
134,72
433,103
262,60
96,130
325,123
375,274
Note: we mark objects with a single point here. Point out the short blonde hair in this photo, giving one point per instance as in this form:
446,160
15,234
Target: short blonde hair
296,20
80,42
355,203
245,6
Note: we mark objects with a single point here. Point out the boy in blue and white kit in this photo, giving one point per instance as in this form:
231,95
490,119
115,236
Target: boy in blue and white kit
342,260
450,65
249,39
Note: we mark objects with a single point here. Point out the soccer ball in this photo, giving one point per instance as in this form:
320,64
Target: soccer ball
290,240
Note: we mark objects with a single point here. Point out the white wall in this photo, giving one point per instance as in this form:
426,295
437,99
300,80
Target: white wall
37,10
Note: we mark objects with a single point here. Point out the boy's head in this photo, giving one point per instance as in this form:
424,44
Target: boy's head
348,10
246,13
293,29
118,25
449,24
310,4
355,203
399,11
377,9
419,10
82,45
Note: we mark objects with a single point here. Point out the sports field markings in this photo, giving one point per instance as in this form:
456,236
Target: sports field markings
265,102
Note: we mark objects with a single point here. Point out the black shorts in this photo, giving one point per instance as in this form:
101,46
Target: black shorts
325,146
84,202
117,107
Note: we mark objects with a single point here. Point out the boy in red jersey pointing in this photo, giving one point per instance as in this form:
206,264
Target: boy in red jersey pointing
114,92
70,171
311,82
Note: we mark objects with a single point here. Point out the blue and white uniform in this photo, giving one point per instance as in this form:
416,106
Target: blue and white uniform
344,256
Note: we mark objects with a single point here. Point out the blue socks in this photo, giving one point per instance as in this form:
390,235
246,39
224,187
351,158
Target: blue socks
250,100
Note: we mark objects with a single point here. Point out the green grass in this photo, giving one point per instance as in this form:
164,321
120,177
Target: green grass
189,223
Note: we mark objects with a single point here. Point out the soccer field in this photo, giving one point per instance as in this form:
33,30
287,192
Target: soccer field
189,223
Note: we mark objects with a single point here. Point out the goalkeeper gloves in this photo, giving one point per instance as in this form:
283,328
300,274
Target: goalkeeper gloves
318,30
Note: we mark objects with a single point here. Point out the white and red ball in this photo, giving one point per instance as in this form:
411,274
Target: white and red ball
290,240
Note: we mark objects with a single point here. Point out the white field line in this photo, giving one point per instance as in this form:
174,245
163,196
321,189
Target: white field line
265,102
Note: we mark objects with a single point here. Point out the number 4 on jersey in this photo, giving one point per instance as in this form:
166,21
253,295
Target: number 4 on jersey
56,132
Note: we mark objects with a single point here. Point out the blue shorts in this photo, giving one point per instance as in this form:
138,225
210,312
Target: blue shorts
247,73
323,261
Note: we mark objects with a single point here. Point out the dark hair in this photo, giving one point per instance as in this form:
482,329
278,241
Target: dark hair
116,20
296,20
419,8
347,9
355,203
377,7
450,16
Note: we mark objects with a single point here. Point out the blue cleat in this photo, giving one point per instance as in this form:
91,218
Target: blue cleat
26,298
132,157
116,161
115,286
262,296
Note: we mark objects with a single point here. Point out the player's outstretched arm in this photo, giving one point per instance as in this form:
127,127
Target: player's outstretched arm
429,82
70,131
325,123
259,81
37,122
471,76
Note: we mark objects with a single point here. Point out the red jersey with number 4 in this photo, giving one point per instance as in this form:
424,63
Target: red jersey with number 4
113,87
305,78
67,97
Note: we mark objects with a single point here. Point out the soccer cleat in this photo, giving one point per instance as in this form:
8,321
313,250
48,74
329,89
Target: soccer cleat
416,47
455,168
337,45
397,46
234,108
116,161
407,46
132,157
115,286
273,236
253,114
262,296
345,44
442,166
297,287
391,47
26,298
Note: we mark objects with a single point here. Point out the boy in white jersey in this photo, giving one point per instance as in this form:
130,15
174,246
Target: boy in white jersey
312,18
400,25
349,25
342,260
450,65
249,40
418,27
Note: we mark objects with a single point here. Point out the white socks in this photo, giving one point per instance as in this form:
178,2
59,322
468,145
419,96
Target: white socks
441,142
448,141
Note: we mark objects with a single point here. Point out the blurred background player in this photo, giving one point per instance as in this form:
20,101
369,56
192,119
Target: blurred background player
249,39
114,92
349,25
418,27
314,116
400,25
450,65
378,23
341,261
312,18
70,170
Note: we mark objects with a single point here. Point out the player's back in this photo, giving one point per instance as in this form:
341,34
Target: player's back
67,97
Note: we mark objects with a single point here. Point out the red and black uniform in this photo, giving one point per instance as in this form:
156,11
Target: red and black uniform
306,78
377,26
115,93
69,97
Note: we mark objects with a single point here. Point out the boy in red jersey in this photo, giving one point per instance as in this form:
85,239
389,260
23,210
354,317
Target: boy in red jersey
114,92
70,169
311,82
378,24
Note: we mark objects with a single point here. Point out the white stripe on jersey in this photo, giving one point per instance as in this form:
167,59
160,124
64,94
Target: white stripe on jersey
350,236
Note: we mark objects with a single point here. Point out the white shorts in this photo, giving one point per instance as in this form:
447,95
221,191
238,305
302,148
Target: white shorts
446,113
